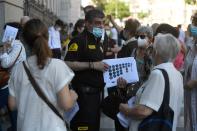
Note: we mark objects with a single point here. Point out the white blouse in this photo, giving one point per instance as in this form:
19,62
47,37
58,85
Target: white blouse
54,38
33,113
152,91
8,58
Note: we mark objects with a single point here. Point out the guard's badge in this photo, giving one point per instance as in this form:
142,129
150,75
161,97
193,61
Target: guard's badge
83,128
91,47
73,47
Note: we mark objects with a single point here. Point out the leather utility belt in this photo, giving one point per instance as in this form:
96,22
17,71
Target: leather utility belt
88,89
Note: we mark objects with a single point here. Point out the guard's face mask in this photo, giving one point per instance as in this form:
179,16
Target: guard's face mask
97,32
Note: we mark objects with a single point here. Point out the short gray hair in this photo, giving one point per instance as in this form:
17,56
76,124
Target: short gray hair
147,30
166,46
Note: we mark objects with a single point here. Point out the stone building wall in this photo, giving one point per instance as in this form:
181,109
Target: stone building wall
46,10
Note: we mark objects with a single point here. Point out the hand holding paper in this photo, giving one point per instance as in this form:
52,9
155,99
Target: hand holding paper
122,67
124,120
68,116
9,34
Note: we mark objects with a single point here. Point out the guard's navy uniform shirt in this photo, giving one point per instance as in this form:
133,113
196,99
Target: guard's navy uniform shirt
86,48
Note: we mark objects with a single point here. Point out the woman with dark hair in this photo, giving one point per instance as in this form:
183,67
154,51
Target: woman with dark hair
52,76
78,28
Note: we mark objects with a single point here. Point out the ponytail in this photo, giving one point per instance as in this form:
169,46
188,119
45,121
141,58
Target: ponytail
35,34
42,51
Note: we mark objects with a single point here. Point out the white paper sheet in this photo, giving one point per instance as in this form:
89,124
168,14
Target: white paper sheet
68,116
121,67
124,120
9,34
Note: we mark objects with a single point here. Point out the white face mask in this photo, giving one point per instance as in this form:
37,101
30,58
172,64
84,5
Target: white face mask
108,32
142,42
58,28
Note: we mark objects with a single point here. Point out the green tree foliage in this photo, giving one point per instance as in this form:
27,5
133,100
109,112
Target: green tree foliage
116,8
100,3
142,15
191,2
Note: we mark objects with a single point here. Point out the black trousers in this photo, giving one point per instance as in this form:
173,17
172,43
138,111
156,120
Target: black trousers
88,116
56,53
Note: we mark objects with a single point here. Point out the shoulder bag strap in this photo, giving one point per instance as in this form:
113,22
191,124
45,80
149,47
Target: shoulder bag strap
16,59
41,93
167,87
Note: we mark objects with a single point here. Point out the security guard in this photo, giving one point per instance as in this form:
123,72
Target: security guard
85,55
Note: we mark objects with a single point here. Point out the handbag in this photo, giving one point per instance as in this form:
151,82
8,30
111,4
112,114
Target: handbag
110,104
42,95
163,119
4,77
5,73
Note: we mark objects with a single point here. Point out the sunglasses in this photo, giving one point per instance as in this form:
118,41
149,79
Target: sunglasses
141,36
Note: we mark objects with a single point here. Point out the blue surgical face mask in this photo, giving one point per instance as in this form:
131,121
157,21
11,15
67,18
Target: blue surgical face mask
97,32
193,30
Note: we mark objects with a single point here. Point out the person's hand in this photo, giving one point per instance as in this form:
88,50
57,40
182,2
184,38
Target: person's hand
110,17
100,66
121,83
115,49
191,84
124,108
6,45
73,94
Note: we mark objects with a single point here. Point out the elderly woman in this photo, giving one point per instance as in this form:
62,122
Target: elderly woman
150,95
144,63
142,54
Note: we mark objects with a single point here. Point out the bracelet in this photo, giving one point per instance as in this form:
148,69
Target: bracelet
92,65
89,65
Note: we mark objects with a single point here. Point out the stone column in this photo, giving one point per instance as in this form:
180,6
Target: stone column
64,10
50,5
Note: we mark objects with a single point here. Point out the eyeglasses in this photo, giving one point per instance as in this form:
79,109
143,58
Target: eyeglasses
141,36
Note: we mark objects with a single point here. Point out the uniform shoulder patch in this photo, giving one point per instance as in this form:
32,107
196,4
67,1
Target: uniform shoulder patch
91,46
73,47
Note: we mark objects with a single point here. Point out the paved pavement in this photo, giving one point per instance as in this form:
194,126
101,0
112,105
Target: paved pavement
107,124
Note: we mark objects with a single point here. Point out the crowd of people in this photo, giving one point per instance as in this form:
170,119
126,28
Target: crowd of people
53,68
